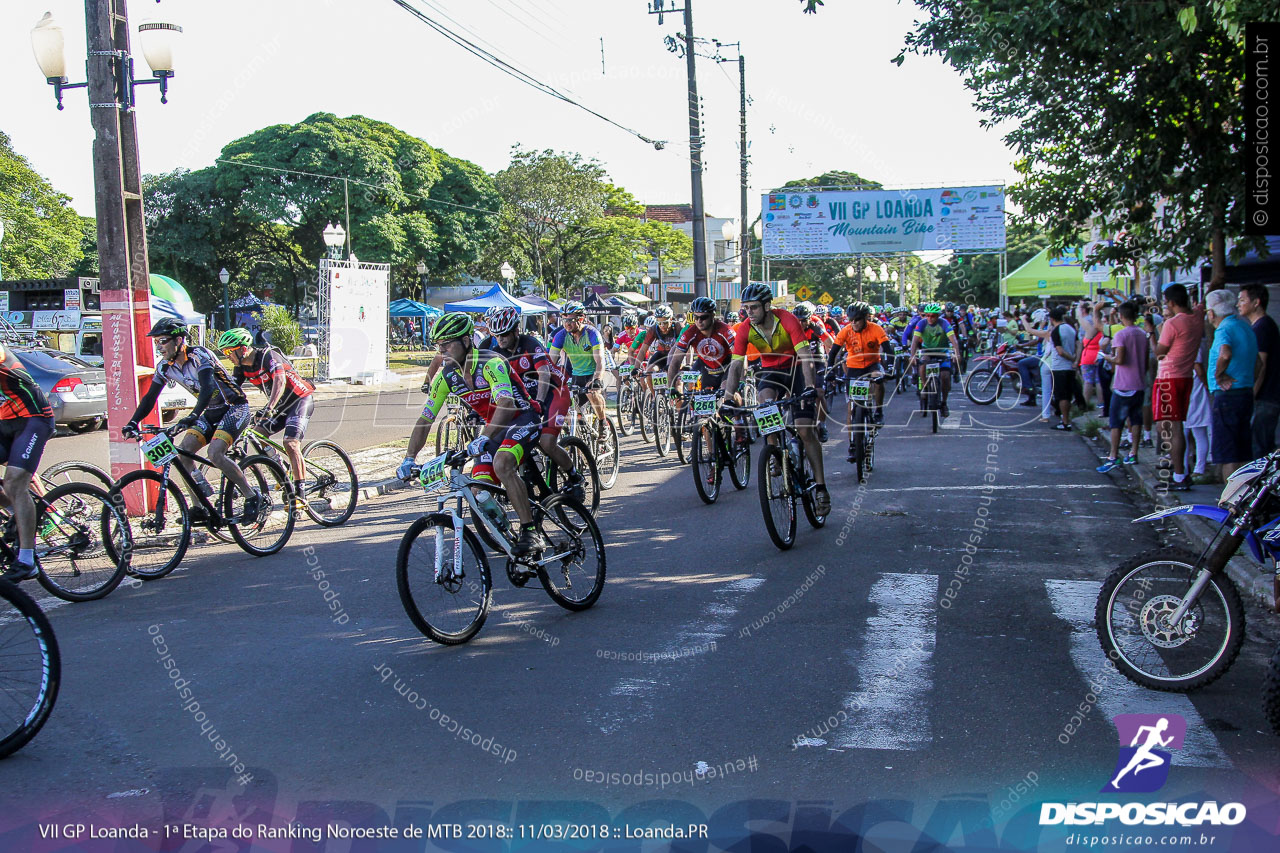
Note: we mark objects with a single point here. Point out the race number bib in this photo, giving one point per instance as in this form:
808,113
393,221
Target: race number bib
433,473
659,380
625,369
159,450
704,405
932,370
769,420
859,390
690,377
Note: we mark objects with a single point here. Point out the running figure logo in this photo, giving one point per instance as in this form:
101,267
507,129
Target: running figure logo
1143,765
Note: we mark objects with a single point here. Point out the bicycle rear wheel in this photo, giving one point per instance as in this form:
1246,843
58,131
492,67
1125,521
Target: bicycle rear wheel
662,428
585,463
777,500
447,605
706,464
644,413
576,579
626,409
805,484
30,668
74,524
159,522
268,532
858,449
332,488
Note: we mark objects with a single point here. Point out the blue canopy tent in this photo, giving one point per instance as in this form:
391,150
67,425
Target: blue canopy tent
415,310
495,298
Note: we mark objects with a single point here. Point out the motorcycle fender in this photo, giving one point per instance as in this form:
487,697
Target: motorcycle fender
1214,513
1211,512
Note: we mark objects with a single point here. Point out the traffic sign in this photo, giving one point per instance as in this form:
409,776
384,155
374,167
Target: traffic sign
826,298
804,292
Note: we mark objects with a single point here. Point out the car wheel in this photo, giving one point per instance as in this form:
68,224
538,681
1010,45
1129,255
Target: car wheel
90,425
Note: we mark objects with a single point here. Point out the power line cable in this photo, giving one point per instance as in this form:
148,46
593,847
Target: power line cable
509,69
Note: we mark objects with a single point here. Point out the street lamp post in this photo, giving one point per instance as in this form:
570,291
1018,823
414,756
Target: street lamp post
225,278
334,238
870,275
422,279
646,281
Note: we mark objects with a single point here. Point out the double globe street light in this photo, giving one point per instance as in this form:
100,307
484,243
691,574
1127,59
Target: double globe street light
157,39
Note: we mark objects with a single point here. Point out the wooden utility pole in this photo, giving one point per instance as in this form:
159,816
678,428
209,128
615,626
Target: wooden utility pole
122,236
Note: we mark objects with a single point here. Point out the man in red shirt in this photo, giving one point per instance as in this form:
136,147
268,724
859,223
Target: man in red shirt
787,369
1171,394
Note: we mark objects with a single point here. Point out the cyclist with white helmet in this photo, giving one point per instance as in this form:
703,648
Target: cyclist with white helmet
653,348
578,347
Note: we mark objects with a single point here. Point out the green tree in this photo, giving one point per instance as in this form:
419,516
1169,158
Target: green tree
261,210
1122,117
564,224
43,233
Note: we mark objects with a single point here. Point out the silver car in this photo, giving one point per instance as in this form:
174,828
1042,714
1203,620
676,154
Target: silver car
76,389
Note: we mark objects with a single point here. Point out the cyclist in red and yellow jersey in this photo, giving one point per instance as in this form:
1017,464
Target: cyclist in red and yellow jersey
786,368
26,422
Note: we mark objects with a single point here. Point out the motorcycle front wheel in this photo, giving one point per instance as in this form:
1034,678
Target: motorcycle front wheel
1133,622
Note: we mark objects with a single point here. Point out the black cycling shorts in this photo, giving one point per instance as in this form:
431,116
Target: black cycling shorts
712,379
581,383
292,420
786,383
224,422
22,441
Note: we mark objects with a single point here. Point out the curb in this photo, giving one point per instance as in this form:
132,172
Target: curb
1253,580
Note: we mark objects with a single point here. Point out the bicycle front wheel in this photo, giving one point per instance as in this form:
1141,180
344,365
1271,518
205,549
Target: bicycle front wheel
271,528
332,487
608,455
444,584
777,500
83,543
626,410
159,522
30,668
662,428
740,450
76,472
1132,621
585,463
575,579
983,385
706,464
804,481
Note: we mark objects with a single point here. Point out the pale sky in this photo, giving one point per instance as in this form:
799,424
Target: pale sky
825,95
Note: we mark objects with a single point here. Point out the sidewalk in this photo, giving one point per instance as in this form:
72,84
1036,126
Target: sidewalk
1253,580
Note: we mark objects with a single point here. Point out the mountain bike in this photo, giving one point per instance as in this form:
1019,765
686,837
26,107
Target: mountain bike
717,444
995,378
682,418
442,570
459,426
783,471
631,408
83,544
931,386
600,436
661,418
862,424
30,668
161,520
331,489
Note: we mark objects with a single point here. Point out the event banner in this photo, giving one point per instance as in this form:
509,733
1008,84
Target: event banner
856,222
357,318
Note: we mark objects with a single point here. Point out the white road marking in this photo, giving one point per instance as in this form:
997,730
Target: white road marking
1073,602
895,667
691,641
1000,488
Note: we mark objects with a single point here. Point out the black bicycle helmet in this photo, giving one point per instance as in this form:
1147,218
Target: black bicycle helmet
757,292
702,305
168,327
859,311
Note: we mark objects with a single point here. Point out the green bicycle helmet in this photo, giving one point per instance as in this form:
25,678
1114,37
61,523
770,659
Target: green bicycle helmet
453,325
235,338
931,308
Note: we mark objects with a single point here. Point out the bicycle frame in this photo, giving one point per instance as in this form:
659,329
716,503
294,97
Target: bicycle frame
265,445
215,518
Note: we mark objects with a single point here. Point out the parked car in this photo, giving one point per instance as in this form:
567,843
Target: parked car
76,389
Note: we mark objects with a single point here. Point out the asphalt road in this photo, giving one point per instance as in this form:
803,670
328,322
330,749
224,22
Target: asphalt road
837,675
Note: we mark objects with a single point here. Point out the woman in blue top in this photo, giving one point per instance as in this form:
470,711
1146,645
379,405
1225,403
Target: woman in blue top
581,347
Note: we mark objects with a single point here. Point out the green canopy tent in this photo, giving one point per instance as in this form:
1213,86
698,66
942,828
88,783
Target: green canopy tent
1043,277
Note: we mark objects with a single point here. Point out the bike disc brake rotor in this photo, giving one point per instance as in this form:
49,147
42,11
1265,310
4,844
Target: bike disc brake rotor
1154,620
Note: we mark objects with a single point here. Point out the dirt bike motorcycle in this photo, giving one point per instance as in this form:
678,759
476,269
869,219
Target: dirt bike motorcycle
1172,620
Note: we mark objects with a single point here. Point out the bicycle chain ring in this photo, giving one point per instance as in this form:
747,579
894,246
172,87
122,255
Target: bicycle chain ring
1154,620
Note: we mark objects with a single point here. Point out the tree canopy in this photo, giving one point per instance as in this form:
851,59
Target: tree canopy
44,237
564,224
1123,117
261,210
